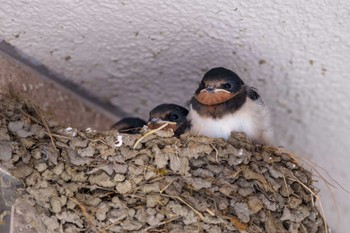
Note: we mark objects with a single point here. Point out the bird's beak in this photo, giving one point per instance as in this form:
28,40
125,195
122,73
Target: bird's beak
210,89
154,120
213,90
155,123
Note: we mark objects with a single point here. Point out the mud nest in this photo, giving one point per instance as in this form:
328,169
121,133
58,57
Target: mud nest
89,181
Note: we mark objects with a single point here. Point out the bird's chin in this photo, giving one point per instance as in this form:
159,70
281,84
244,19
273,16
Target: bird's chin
213,98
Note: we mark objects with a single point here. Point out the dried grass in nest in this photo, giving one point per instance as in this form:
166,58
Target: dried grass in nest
89,181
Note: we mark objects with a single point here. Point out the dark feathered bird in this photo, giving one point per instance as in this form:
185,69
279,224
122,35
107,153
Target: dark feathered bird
172,114
129,125
223,104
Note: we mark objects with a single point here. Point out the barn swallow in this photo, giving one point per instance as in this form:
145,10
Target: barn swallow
172,114
223,104
129,125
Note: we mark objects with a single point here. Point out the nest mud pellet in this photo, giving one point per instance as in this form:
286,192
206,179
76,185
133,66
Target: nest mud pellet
89,181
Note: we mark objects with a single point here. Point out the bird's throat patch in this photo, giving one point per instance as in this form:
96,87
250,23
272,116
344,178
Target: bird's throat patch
212,98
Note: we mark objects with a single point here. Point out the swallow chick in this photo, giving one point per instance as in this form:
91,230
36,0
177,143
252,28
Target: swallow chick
223,104
129,125
172,114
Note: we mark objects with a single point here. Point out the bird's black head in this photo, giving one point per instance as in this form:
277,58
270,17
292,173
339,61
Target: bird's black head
217,86
221,91
172,114
130,125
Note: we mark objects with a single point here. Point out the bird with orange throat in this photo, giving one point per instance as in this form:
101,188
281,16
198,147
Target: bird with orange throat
223,104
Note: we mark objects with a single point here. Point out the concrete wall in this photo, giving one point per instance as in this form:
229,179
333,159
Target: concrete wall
137,54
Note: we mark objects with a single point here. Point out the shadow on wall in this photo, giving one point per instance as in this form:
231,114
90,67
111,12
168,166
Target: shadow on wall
61,81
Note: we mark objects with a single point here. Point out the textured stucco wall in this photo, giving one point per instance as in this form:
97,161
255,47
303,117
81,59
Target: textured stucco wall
137,54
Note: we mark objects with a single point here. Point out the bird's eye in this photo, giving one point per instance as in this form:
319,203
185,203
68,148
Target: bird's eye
227,86
174,117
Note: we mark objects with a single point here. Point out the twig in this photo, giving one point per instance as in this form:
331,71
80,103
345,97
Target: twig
61,136
167,186
216,153
31,117
160,224
309,161
149,133
85,213
302,226
325,181
210,212
313,165
302,184
257,228
285,183
312,200
335,203
46,126
317,197
183,201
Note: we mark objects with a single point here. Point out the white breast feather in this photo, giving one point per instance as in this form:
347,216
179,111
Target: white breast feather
252,118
